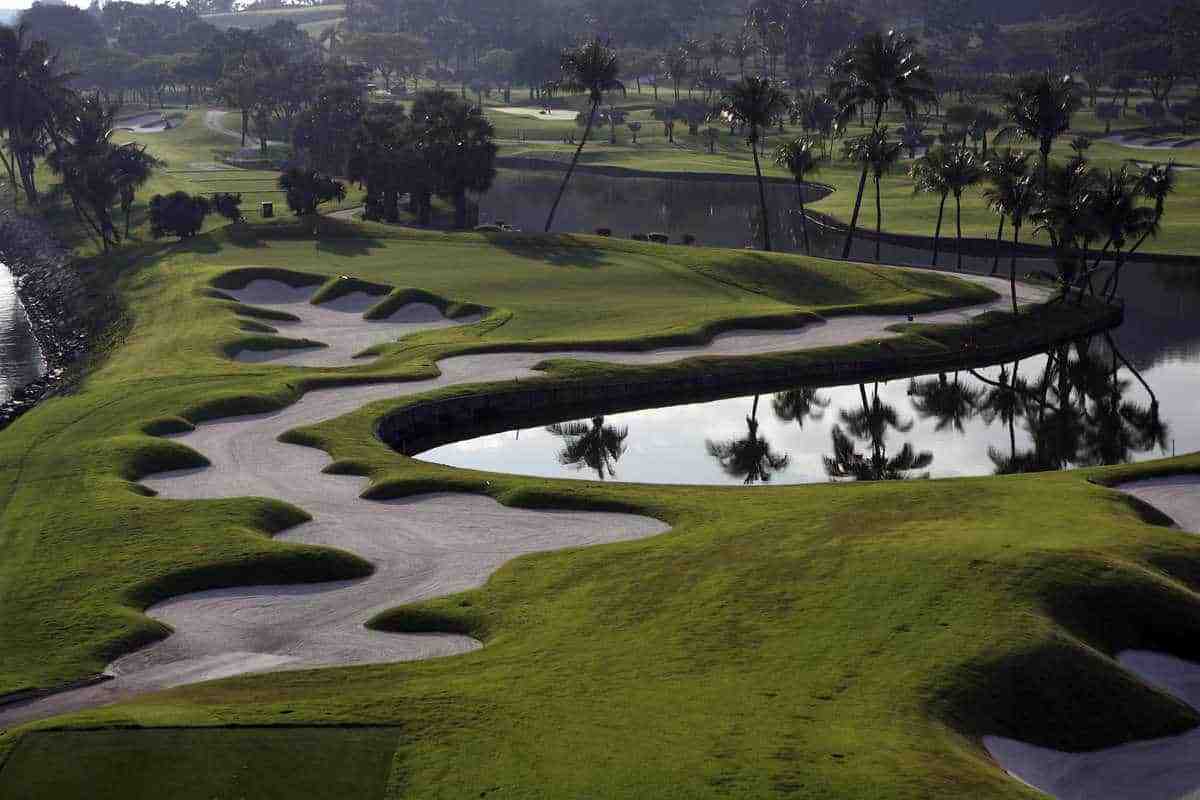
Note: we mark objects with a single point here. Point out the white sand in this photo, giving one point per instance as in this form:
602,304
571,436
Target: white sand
536,113
422,547
1148,142
1145,770
338,323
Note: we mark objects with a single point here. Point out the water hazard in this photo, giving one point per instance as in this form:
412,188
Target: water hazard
21,358
1089,404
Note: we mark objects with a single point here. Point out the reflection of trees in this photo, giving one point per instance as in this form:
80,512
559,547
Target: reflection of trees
750,457
797,405
1075,410
870,424
950,403
596,446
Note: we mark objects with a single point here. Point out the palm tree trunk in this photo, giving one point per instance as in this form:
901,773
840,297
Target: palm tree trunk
862,185
245,127
762,193
878,221
1012,266
999,244
574,160
803,218
1116,276
958,230
937,232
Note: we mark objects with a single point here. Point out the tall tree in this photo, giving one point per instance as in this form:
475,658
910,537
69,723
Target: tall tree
962,172
1040,107
929,175
1012,194
877,72
457,142
800,158
755,104
881,155
591,68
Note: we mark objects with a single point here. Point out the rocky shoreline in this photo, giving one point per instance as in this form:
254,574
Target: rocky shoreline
55,298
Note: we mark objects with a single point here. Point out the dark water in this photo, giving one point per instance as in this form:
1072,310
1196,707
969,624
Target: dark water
1078,407
21,358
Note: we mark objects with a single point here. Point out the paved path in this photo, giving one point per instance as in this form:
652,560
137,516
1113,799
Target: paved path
422,547
1156,769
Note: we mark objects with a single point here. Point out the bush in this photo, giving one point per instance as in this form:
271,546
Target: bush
307,189
228,205
604,231
177,214
689,238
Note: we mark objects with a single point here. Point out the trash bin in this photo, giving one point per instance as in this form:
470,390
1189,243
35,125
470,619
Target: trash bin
267,209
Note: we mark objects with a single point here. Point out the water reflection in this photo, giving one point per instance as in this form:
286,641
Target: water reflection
597,446
749,457
1078,405
871,424
21,359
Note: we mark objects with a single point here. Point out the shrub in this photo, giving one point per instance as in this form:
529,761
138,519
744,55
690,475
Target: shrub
306,189
604,231
228,205
177,214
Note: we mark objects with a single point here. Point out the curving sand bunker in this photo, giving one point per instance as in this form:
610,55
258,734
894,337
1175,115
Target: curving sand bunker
422,547
1146,770
338,323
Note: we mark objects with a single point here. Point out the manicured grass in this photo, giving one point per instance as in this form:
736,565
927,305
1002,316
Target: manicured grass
121,548
817,641
203,763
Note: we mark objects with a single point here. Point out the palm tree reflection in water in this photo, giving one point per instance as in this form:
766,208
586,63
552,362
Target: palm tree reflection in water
750,457
596,446
871,424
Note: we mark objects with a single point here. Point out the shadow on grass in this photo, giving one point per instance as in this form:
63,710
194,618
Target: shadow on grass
561,250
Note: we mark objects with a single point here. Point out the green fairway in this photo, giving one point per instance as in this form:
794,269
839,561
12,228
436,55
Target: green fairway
203,763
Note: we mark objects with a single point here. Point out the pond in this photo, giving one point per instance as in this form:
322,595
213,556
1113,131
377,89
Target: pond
952,424
976,422
20,356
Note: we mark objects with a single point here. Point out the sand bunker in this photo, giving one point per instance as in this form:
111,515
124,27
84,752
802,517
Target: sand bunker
1149,142
533,112
1145,770
422,547
337,323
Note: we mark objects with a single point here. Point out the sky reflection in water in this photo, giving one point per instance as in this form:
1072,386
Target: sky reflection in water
940,426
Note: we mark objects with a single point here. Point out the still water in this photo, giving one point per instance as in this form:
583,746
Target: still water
1069,408
21,358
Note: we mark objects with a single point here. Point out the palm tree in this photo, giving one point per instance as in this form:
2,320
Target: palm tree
1040,108
590,68
881,155
596,446
756,103
1003,170
798,405
929,175
962,172
1015,198
1119,217
879,71
1064,213
33,95
132,168
801,158
750,457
